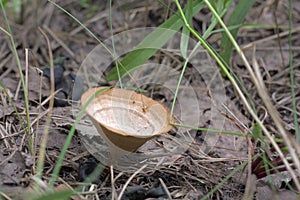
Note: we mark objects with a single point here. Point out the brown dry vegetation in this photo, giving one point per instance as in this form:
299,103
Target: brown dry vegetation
189,175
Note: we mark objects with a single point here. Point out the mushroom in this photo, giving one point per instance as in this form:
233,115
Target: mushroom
125,119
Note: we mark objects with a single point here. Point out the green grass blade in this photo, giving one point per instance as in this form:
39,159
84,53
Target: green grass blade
292,81
14,49
185,31
214,21
113,43
238,168
1,198
69,138
4,2
222,9
20,119
209,130
81,24
257,132
237,17
185,38
155,39
57,195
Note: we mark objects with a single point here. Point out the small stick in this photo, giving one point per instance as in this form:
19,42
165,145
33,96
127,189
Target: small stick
113,189
129,180
165,188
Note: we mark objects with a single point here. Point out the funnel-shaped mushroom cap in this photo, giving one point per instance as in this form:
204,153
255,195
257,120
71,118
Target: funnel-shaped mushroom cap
125,118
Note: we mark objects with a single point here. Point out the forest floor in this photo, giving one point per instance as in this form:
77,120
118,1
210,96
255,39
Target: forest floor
187,175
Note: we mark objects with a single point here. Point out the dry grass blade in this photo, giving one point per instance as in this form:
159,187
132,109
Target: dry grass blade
278,122
5,196
113,190
42,151
60,42
250,187
258,84
165,188
192,173
129,180
272,37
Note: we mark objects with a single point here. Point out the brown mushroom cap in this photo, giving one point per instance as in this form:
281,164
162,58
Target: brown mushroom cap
125,118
